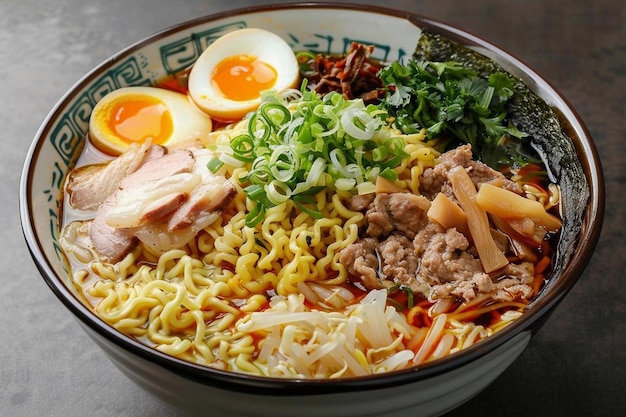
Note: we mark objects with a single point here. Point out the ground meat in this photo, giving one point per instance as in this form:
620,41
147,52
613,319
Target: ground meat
361,202
401,246
393,220
398,258
466,290
453,271
362,262
382,264
434,180
515,283
445,256
401,212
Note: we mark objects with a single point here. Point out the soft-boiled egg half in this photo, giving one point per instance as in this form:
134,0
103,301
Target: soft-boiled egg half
136,114
227,79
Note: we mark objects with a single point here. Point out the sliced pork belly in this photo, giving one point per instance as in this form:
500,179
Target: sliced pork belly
158,168
157,188
162,207
111,243
164,203
158,238
213,194
90,185
206,198
132,205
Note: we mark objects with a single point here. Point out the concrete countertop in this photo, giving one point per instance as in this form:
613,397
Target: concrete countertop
575,366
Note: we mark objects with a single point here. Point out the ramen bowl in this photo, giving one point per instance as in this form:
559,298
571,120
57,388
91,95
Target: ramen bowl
192,389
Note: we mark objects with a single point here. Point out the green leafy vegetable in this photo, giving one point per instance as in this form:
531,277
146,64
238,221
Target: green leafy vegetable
453,103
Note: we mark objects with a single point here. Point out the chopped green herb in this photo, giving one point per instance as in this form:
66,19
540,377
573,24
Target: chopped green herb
453,103
214,165
410,302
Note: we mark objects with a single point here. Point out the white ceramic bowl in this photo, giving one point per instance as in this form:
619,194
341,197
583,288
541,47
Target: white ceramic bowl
195,390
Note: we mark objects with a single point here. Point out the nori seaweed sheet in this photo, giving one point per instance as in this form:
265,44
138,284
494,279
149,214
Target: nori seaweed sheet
530,114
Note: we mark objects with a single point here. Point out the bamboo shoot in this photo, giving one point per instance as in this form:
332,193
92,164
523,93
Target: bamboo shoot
383,185
509,205
448,214
490,255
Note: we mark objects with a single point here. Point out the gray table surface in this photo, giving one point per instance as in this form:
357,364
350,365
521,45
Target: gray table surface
575,366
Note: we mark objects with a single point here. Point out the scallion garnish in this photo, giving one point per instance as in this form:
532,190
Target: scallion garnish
297,146
214,165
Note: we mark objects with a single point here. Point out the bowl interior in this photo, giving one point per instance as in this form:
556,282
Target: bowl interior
319,28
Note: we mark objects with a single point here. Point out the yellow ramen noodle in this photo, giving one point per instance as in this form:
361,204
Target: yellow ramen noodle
207,302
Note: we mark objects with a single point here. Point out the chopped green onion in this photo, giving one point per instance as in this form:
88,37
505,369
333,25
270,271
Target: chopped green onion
228,159
297,146
314,177
254,192
259,128
359,124
277,192
276,114
304,58
243,148
366,187
409,295
214,165
388,174
302,201
255,215
345,184
338,158
283,163
260,172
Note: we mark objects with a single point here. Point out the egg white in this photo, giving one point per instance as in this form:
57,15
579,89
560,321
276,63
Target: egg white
188,120
265,46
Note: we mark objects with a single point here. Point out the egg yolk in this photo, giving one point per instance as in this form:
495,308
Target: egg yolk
243,77
139,118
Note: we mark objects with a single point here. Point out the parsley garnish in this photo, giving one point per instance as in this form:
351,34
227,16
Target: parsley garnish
454,104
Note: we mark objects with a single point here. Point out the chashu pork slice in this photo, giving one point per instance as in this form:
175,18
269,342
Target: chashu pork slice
214,194
151,192
203,206
159,186
110,243
89,186
164,204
